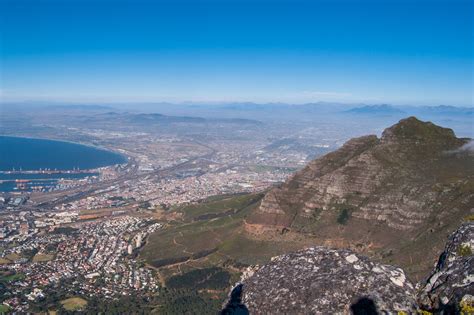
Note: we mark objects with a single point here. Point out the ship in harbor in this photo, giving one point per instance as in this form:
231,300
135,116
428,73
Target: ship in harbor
48,171
22,184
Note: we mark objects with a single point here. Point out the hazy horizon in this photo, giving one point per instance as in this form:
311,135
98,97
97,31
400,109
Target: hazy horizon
107,103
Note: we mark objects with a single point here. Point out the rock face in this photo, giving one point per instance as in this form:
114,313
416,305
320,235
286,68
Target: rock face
328,281
322,281
390,192
451,285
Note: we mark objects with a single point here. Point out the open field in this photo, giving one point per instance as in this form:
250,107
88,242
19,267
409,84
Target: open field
12,256
4,261
4,309
43,257
74,303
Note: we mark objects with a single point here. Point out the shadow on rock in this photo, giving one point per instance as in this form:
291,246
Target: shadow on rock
235,306
364,306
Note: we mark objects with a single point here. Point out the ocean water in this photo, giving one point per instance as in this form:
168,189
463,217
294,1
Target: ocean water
34,154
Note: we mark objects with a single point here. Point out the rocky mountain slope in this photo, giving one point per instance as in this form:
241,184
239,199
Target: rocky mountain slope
451,284
388,197
327,281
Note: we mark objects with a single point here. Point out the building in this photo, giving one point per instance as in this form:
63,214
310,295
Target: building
139,240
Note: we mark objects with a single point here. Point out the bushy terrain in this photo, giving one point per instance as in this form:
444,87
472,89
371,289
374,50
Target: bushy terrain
201,254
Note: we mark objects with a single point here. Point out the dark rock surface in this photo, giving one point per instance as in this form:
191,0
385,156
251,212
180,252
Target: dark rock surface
235,305
452,281
324,281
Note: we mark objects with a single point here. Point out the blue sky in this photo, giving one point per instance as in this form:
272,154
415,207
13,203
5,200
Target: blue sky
417,52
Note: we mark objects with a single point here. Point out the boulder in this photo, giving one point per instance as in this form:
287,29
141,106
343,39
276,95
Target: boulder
323,281
450,287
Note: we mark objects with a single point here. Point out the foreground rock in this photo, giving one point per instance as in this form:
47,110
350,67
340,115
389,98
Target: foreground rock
323,281
327,281
450,288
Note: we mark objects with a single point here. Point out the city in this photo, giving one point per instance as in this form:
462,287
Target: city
86,233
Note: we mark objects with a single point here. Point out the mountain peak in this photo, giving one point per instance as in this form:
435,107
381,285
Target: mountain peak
413,129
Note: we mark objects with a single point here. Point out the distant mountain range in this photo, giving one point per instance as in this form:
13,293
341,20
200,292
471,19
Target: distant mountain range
383,109
176,109
444,110
155,118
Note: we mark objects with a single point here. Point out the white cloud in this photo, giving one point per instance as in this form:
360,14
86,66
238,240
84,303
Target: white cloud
466,148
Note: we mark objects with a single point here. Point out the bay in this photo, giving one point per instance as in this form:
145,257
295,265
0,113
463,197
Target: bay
35,154
29,154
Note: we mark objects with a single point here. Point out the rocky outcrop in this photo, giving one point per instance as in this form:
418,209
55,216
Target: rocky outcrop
319,280
450,287
323,281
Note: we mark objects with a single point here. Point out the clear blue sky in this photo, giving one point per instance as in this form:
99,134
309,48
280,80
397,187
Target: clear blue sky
401,52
